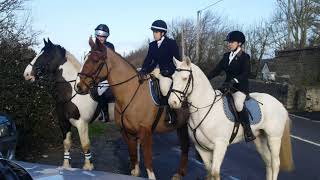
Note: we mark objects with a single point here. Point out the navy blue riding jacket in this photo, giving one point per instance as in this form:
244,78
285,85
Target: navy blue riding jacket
161,56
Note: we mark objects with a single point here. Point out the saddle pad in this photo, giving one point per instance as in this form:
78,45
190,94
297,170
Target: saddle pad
251,105
154,92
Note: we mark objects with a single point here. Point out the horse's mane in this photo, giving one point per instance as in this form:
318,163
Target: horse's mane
123,59
73,60
70,57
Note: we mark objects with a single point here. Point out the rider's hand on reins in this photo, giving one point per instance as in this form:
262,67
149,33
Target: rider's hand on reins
142,77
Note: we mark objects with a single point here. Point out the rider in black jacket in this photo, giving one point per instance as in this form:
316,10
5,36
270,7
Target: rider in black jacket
105,94
236,64
161,53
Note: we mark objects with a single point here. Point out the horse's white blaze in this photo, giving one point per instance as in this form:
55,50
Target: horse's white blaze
216,129
28,71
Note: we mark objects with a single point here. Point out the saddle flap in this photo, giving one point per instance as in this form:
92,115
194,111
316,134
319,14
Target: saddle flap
250,104
155,92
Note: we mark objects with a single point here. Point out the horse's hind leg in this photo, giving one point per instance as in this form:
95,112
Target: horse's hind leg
275,144
67,146
85,143
184,145
263,149
65,127
145,136
133,153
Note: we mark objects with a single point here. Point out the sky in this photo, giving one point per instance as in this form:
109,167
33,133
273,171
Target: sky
70,23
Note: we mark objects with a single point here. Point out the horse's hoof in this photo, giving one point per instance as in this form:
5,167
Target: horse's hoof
88,167
66,165
176,177
135,172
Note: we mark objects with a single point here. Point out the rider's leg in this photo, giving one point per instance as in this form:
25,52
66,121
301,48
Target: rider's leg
165,84
239,99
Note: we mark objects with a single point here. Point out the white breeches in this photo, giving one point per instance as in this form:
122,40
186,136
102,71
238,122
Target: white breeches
102,87
165,84
239,98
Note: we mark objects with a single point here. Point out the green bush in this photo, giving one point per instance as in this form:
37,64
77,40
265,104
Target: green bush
29,105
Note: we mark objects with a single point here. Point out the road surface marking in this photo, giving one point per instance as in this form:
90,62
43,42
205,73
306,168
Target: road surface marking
304,140
304,118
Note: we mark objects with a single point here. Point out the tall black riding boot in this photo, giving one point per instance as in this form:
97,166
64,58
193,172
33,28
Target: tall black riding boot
248,135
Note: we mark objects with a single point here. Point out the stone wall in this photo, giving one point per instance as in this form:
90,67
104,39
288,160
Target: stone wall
308,99
284,92
302,65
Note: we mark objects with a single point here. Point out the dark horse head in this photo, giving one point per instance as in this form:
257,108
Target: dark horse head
46,63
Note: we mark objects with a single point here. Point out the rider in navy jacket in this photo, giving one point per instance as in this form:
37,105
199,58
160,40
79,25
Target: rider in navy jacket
161,53
162,56
236,64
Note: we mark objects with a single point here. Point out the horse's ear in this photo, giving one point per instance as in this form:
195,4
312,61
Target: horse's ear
45,42
187,60
91,42
176,62
49,42
99,46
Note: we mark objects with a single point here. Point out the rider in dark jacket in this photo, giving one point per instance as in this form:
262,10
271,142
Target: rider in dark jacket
236,64
105,94
161,53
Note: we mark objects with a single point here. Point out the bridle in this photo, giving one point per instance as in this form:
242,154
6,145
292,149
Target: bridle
184,94
95,75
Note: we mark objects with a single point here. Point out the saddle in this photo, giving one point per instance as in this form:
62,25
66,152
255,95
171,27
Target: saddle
250,105
154,87
160,101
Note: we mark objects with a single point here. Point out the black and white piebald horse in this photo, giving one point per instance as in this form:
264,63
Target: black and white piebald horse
59,68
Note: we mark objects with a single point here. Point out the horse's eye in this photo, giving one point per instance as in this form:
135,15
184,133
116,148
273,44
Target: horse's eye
185,79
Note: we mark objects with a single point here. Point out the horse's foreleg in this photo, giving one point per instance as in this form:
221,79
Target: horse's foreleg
85,143
219,151
133,153
145,136
206,157
184,145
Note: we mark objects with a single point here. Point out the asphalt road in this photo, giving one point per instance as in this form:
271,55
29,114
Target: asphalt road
241,160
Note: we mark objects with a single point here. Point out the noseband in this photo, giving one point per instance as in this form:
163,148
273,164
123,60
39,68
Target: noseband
184,93
94,76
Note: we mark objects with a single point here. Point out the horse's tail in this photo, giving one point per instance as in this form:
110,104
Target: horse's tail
286,160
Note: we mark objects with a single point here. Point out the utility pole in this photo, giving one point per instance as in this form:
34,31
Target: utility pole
289,24
182,42
199,28
198,35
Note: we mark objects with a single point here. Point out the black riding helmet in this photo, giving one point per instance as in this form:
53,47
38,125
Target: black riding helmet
159,25
102,30
237,36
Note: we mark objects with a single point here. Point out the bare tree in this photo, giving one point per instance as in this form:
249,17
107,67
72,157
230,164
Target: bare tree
14,27
213,31
294,22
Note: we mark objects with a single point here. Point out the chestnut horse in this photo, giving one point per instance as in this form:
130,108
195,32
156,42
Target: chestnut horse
135,112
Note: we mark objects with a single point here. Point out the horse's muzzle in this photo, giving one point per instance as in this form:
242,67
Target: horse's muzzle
82,89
